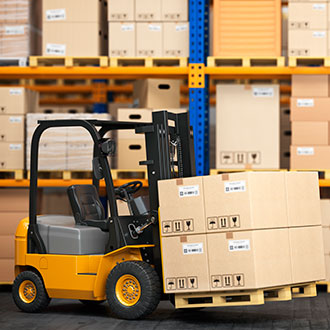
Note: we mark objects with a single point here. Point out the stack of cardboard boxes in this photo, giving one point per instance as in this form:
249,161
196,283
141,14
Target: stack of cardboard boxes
74,28
310,122
148,28
308,28
240,231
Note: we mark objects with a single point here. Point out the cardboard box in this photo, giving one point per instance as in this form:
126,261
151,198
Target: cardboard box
310,157
129,153
148,10
308,15
327,266
176,39
12,155
122,39
149,39
121,10
12,128
243,201
73,39
7,247
308,43
306,133
7,271
188,271
157,93
240,110
182,206
174,10
325,213
10,220
17,100
304,86
80,156
55,201
14,200
303,199
307,254
310,109
249,259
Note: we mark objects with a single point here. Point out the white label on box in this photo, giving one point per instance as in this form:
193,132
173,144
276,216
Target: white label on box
193,248
182,27
15,120
154,27
263,92
305,103
305,151
14,30
319,34
15,146
127,27
235,186
319,6
16,91
55,15
55,49
189,191
239,245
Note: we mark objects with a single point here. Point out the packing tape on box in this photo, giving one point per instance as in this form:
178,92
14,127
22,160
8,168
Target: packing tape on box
183,239
179,182
229,235
225,177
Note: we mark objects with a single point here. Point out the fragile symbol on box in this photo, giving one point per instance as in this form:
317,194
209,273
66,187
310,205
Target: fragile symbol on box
254,158
223,222
181,283
177,226
234,221
188,225
238,280
240,158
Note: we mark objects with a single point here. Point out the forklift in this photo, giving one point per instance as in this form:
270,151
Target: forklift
93,257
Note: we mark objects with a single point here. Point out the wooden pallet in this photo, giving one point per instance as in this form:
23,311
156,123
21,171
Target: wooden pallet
235,170
63,175
304,290
323,284
129,174
244,61
149,61
68,61
309,61
12,174
14,61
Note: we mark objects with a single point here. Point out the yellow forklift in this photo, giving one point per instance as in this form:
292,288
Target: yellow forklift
93,257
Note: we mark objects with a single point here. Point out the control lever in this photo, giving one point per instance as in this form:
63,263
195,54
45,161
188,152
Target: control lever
139,230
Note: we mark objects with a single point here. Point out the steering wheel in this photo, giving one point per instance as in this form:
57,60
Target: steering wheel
130,188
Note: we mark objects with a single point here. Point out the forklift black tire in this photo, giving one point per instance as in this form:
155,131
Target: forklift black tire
133,290
29,292
92,302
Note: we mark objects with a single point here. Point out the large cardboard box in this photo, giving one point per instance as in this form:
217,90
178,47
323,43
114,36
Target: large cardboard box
310,109
148,10
176,39
129,153
80,156
10,220
149,39
157,93
310,157
310,133
7,270
7,246
182,206
12,128
308,15
307,254
308,43
247,135
185,264
121,10
12,155
244,201
55,201
122,39
14,200
17,100
249,259
174,10
304,86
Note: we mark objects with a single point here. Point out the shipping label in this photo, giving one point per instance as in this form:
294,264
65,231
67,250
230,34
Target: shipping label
15,147
263,91
235,186
155,27
319,6
239,245
305,151
319,34
182,27
16,91
305,103
14,30
55,49
15,120
192,248
189,191
55,15
127,27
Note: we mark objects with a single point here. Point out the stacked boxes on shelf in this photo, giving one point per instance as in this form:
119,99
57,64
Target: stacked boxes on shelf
247,28
240,231
73,28
310,122
148,28
308,28
247,126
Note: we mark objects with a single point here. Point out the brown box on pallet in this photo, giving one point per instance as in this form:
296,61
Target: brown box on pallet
12,128
310,133
17,100
249,259
307,254
245,201
7,270
10,220
185,264
157,93
310,157
176,39
149,39
12,155
148,10
121,10
129,153
304,86
7,246
241,140
174,10
80,156
14,200
325,211
122,39
310,109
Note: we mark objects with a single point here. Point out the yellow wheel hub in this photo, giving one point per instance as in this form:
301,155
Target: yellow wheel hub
27,291
128,290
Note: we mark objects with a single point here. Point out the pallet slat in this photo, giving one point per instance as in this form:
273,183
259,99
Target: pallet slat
324,283
148,61
219,61
68,61
309,61
12,174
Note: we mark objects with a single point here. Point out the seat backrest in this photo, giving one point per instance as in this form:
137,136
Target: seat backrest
85,203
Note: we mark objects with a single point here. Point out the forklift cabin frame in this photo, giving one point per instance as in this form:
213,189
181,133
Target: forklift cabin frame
167,131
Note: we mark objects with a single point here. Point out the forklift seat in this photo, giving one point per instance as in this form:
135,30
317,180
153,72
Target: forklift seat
86,206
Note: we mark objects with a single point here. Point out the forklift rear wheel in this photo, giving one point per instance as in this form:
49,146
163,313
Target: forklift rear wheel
29,293
133,290
91,302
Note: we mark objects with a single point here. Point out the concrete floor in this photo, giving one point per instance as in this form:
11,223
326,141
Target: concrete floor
307,313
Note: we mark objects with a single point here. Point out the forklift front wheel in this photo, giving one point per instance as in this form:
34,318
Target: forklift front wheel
29,293
133,290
